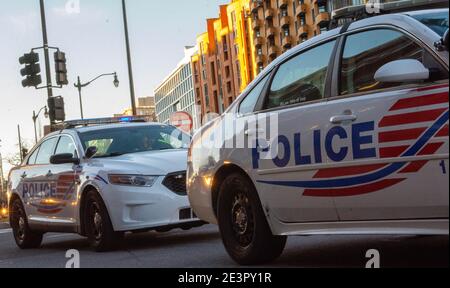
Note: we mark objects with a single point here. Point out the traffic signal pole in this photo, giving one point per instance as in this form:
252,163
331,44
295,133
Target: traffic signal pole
46,53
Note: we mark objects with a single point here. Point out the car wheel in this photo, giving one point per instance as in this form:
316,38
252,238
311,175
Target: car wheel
99,228
25,238
245,232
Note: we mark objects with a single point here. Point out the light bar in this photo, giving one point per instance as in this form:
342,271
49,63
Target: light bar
103,121
358,12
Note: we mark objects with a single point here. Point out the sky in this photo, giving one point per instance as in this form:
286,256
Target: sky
91,34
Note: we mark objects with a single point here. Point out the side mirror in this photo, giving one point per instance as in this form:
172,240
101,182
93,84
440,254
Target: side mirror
407,70
64,159
90,152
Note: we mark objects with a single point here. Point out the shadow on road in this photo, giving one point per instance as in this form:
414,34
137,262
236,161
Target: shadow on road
340,251
314,251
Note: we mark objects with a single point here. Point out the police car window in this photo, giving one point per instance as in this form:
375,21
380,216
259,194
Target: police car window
249,103
46,151
301,79
32,158
366,52
436,21
119,141
66,146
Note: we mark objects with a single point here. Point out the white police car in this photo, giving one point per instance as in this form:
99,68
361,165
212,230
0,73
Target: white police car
101,180
345,134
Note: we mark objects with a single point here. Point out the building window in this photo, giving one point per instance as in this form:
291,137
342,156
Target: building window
286,31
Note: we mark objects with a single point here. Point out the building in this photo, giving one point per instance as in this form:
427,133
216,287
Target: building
246,36
145,108
244,39
176,92
223,66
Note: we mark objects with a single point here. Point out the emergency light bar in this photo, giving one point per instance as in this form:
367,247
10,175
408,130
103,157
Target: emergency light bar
375,8
103,121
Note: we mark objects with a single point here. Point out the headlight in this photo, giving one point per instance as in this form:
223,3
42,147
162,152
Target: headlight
133,180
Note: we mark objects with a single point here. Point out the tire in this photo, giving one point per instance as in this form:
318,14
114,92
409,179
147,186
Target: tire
99,229
25,238
243,226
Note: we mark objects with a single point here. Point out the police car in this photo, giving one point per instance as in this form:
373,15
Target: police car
346,133
100,179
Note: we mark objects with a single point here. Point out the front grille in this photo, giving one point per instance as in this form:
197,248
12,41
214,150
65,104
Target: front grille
176,182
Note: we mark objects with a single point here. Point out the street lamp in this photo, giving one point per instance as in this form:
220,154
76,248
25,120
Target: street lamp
78,85
35,117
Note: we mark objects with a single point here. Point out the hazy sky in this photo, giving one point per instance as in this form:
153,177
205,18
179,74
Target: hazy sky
94,44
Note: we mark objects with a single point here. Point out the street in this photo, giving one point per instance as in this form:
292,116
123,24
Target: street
202,248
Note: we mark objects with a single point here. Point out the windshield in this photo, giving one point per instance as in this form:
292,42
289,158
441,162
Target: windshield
125,140
436,21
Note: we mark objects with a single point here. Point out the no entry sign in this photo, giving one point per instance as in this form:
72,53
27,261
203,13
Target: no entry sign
182,120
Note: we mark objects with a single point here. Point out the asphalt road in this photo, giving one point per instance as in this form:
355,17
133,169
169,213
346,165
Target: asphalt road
202,247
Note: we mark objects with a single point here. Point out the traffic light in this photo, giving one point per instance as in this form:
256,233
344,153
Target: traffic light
61,68
56,109
31,71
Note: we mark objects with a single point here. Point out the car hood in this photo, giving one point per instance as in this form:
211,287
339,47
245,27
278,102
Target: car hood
157,163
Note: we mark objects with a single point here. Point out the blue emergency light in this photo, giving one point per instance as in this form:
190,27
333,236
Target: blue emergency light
103,121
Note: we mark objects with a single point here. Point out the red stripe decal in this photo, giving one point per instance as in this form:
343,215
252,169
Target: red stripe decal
390,152
401,135
421,101
432,87
443,132
414,167
409,118
347,171
430,149
353,191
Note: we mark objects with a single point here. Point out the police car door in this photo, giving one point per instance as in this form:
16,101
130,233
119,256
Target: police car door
388,141
297,96
66,181
40,184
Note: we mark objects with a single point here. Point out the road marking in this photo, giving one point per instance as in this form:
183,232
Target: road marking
5,231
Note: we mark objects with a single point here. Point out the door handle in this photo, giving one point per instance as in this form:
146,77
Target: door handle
339,119
49,174
24,175
252,132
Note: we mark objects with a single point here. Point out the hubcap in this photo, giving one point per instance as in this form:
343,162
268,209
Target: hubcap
242,219
21,228
97,221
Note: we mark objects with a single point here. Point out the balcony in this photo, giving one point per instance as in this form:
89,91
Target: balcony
287,41
260,59
259,41
283,4
273,51
302,31
271,32
269,14
256,5
300,10
285,21
323,19
256,24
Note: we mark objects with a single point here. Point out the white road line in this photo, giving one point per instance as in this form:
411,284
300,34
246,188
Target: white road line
5,231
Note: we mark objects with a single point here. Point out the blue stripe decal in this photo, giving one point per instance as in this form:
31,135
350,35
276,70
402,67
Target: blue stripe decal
336,183
98,177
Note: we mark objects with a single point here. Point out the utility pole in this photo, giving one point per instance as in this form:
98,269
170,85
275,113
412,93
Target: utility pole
130,69
20,143
46,53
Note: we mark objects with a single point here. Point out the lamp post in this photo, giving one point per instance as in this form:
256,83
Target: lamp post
79,85
130,68
35,117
